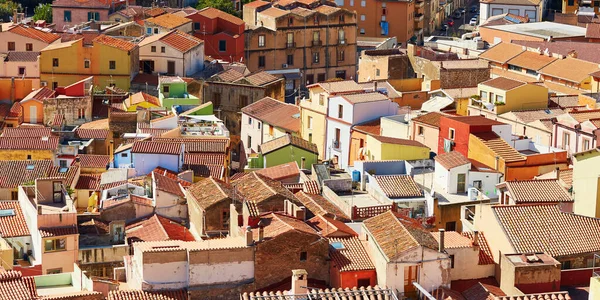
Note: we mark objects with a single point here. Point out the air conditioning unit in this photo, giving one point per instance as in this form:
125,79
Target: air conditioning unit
342,42
284,66
44,83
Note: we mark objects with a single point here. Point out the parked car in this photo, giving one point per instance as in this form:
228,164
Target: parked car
462,10
473,9
450,23
473,21
457,15
444,28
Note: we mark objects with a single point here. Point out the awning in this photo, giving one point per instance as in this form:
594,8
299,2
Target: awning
292,76
206,118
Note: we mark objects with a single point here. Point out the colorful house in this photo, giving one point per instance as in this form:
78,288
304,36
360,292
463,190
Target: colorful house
222,33
388,148
33,105
286,149
586,187
454,132
167,22
173,53
24,38
173,91
112,62
140,100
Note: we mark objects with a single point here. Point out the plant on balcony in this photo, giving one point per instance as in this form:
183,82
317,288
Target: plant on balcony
498,103
476,97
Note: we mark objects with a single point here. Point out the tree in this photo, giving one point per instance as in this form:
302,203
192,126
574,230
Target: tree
6,9
222,5
43,12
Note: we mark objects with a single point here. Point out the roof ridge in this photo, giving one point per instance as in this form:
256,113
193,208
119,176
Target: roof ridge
155,216
218,186
264,183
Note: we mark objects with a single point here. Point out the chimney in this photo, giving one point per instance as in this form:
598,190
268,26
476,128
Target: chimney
300,214
249,240
303,163
261,233
299,282
442,231
39,210
475,237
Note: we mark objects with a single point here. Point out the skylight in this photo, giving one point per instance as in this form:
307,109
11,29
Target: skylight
7,212
30,167
63,170
338,245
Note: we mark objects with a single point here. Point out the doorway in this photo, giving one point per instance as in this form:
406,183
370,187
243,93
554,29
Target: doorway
147,66
57,195
461,183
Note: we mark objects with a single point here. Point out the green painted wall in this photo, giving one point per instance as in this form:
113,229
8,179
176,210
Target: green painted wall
288,154
208,110
176,93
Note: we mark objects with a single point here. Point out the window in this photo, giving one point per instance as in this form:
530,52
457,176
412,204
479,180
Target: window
54,271
271,130
483,95
342,36
258,124
340,74
67,16
377,72
303,256
243,100
249,121
451,134
217,99
155,30
342,18
14,195
351,2
316,20
497,11
222,45
531,14
310,122
452,261
321,77
28,156
310,137
86,64
261,40
340,111
149,31
531,72
290,21
225,218
586,144
93,16
363,3
152,48
571,2
249,143
123,154
363,17
28,47
315,57
290,40
112,64
290,59
499,99
81,113
316,37
514,68
163,49
261,61
11,46
420,130
62,163
383,11
566,140
55,62
21,70
196,26
565,265
166,88
321,99
363,282
55,245
340,56
362,31
514,12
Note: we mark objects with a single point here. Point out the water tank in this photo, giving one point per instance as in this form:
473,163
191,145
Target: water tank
356,175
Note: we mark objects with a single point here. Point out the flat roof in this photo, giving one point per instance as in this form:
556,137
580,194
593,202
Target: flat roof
543,29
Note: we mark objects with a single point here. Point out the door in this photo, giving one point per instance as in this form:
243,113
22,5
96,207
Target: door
147,66
460,183
410,275
171,67
57,195
33,114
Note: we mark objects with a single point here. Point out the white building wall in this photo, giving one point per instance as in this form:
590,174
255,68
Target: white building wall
166,275
466,264
161,59
167,204
344,147
21,42
194,60
31,217
448,179
203,274
168,123
364,112
252,128
520,10
504,131
144,163
488,182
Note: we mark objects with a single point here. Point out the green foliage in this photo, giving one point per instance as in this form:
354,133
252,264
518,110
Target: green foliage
222,5
6,9
43,12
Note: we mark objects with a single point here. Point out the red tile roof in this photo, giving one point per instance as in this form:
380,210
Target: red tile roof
396,234
329,227
398,186
453,240
12,221
212,13
319,205
93,160
275,113
68,174
204,158
351,257
288,140
13,286
210,191
115,42
157,228
168,21
152,147
276,224
23,143
257,188
544,228
451,160
148,295
432,119
482,291
206,171
170,174
281,172
196,145
58,231
312,187
371,127
17,172
33,33
169,185
181,41
259,78
485,254
536,191
395,141
88,182
29,132
154,12
92,133
562,295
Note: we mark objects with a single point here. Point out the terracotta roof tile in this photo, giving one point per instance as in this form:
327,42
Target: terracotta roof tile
503,83
286,140
211,13
275,224
12,221
566,176
14,143
563,295
22,56
318,205
199,145
536,191
17,172
230,75
281,172
67,173
181,41
396,141
398,186
584,50
154,12
335,87
109,203
352,256
485,254
58,231
58,120
432,118
94,161
453,240
396,234
527,116
88,182
502,52
169,185
257,188
329,227
482,291
204,158
275,113
210,191
452,160
29,132
260,78
157,228
92,133
365,97
33,33
152,147
370,127
584,115
544,228
312,187
570,69
169,21
148,295
201,170
531,60
592,31
499,146
13,286
115,42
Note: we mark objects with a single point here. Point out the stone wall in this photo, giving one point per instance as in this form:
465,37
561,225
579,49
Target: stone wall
70,108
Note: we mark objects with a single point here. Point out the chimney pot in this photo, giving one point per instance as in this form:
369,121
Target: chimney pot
299,282
261,233
441,244
249,240
475,237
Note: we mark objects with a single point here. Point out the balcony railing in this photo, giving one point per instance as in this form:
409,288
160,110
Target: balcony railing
290,45
419,17
317,43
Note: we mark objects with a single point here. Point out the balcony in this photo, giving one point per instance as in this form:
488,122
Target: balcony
419,17
336,145
485,105
290,45
317,43
419,4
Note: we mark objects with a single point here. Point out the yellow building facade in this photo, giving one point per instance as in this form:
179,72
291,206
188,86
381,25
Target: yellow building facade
386,148
586,183
109,60
313,112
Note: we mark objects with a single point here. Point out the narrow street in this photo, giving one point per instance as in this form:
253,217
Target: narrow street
464,19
